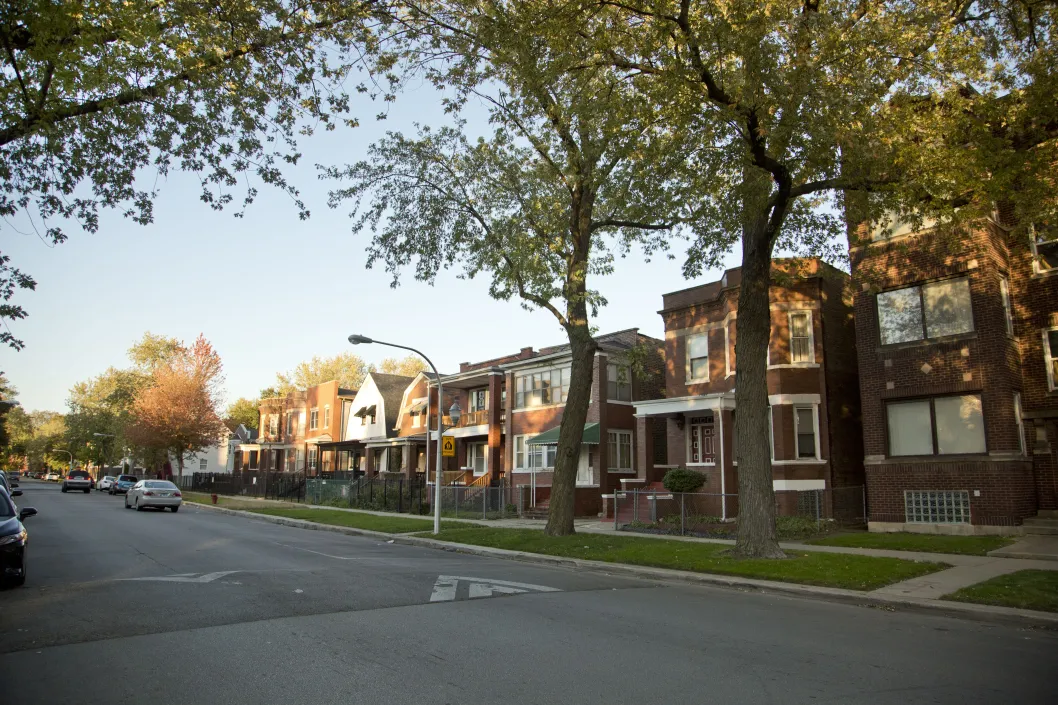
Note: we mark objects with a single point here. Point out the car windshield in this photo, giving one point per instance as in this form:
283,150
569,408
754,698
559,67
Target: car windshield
108,477
128,478
160,485
79,474
7,507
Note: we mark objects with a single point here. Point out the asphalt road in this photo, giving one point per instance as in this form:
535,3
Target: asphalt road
199,607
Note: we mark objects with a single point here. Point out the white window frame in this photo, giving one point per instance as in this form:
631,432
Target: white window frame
615,368
728,371
797,430
1036,269
811,336
1048,360
1020,421
416,420
327,416
687,353
524,393
472,399
313,458
314,418
202,464
471,447
520,449
616,437
273,424
1008,306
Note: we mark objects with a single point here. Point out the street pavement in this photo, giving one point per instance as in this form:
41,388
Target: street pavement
200,607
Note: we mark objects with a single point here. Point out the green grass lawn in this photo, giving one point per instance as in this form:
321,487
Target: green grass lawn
928,543
809,568
1027,589
395,524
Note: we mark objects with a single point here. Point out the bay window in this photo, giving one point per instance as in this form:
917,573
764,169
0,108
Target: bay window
927,311
938,426
541,387
801,343
806,431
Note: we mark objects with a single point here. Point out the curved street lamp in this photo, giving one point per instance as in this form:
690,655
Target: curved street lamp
357,339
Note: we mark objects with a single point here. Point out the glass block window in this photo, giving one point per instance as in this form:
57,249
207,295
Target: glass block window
937,506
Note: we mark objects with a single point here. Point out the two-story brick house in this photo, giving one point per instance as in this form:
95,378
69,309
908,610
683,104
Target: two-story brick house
815,439
957,335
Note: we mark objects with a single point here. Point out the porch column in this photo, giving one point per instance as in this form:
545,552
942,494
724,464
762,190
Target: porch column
371,469
495,457
644,446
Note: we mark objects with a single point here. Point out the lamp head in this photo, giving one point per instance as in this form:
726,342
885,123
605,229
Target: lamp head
357,339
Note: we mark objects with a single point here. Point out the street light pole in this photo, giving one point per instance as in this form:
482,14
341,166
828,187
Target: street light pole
60,450
364,340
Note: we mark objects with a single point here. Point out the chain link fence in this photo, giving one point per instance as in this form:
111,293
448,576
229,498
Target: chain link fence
477,503
799,513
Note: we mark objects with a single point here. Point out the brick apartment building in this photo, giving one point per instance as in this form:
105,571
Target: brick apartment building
815,439
511,409
957,338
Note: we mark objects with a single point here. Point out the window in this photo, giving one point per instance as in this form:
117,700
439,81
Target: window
477,458
1008,311
519,452
202,464
1022,445
938,426
416,419
937,506
1050,357
801,348
543,387
892,225
273,424
1044,243
618,383
290,423
541,457
927,311
805,428
314,454
698,357
479,399
729,352
701,449
327,416
620,450
314,419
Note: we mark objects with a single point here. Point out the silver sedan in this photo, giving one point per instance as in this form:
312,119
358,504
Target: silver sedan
153,493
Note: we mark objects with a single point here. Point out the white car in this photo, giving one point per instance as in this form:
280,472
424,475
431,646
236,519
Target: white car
153,493
52,477
105,483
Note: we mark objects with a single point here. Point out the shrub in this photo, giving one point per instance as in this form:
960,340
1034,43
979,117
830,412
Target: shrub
683,480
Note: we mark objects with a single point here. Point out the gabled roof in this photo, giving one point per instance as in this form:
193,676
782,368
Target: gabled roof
391,389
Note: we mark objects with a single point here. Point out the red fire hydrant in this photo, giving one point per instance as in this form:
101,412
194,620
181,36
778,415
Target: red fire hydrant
214,498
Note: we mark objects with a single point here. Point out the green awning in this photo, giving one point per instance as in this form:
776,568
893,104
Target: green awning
550,438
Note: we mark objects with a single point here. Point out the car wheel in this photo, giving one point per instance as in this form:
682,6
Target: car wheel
88,491
127,503
21,579
174,509
138,507
64,489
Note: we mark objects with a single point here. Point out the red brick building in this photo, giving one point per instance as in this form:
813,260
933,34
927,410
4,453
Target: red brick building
812,389
957,336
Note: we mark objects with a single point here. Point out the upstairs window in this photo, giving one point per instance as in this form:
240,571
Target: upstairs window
618,383
314,419
327,416
479,399
273,424
1050,357
801,344
1044,242
1008,309
540,388
698,358
927,311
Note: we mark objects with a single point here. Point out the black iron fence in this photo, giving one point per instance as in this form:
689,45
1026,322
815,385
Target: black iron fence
263,484
380,493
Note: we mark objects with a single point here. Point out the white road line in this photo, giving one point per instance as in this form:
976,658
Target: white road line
444,589
487,590
318,553
184,577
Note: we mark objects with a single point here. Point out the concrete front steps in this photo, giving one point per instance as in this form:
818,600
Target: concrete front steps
539,511
1045,523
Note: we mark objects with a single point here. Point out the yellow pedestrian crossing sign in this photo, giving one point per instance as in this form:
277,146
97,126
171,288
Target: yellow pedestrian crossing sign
448,447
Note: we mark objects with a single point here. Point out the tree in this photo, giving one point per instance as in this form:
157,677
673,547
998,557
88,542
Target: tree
177,412
242,411
95,96
154,350
801,101
102,405
349,369
407,366
577,170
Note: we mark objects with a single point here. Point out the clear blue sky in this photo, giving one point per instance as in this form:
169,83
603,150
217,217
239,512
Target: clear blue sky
270,290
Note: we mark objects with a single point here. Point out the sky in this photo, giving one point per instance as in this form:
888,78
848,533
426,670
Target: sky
270,290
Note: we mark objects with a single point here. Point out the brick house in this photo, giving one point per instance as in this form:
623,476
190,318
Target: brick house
815,439
514,440
958,338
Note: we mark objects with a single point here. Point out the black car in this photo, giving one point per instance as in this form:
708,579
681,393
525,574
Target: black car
13,538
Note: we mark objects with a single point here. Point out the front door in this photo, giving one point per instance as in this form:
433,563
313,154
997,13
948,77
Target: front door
584,470
702,449
477,458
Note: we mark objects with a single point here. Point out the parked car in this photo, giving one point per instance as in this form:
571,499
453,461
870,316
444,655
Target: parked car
52,477
13,538
153,493
4,482
105,482
13,476
77,480
123,484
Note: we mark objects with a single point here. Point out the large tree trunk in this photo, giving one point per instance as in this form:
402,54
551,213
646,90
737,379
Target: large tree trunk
756,497
564,481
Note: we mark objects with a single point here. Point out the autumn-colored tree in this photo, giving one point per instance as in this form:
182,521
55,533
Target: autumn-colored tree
349,369
177,412
407,366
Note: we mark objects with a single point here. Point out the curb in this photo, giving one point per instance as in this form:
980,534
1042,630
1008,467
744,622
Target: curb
989,613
